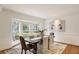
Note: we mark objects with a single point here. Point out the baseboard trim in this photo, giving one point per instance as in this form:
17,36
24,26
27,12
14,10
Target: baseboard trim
66,43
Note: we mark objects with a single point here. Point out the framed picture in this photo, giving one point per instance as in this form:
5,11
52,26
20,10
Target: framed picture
58,25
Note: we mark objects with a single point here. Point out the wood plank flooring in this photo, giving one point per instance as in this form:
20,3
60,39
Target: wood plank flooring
71,49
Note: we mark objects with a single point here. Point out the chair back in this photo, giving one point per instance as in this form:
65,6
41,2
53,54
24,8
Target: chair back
22,41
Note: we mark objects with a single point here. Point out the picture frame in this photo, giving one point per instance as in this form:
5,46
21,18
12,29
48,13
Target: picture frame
57,25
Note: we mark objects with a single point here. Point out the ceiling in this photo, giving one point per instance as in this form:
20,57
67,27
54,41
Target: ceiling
46,11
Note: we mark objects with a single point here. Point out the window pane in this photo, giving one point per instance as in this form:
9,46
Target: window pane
15,30
15,26
25,28
35,27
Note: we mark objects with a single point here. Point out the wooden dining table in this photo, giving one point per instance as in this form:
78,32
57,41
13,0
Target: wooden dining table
34,41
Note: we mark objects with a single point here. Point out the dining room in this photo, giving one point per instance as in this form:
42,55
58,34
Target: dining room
39,29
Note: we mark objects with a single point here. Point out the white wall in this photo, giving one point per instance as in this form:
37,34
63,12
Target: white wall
4,31
47,27
71,34
5,25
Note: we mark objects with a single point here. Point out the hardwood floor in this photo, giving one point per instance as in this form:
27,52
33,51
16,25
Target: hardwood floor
71,49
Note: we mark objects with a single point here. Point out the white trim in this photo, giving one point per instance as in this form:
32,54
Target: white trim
29,21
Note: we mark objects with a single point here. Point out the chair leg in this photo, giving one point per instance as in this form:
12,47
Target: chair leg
25,51
21,51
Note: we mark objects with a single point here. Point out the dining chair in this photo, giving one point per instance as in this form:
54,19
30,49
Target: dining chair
25,46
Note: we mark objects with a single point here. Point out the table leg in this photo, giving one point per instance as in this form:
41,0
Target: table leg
35,49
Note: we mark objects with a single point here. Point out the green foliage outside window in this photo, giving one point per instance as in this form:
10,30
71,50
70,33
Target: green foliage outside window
25,28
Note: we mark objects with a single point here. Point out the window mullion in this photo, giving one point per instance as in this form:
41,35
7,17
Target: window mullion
20,28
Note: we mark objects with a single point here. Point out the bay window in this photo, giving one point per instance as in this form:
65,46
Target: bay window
24,28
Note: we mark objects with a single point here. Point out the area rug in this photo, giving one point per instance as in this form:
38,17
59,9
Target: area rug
57,48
